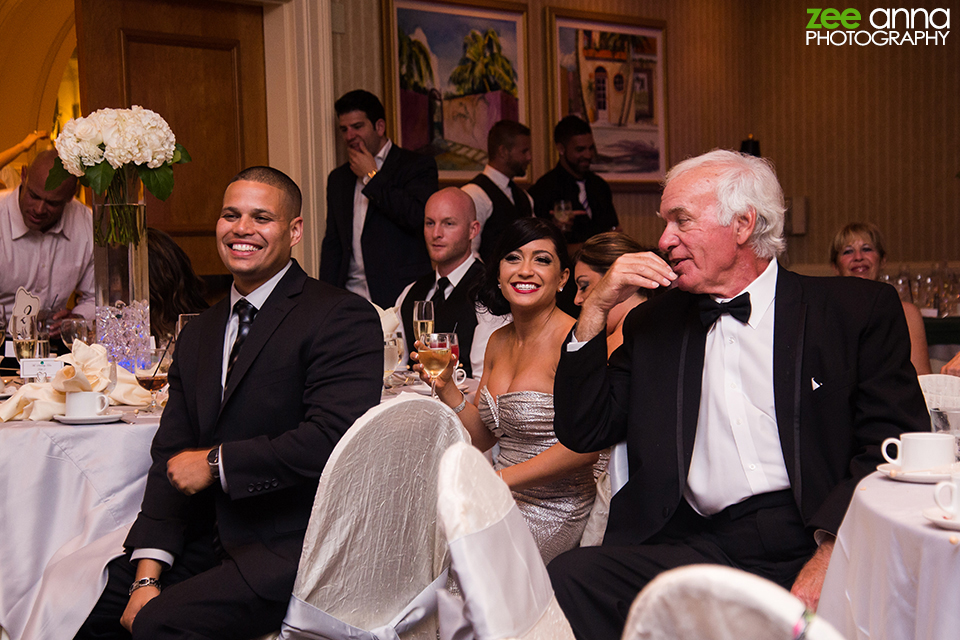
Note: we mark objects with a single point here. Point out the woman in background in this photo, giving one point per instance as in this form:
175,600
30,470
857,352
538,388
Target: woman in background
857,251
174,287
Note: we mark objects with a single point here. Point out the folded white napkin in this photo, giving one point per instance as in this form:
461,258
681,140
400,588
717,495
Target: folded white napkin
389,320
86,369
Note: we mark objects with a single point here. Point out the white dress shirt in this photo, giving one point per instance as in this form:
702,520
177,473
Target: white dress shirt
487,323
356,275
484,204
50,265
736,453
257,298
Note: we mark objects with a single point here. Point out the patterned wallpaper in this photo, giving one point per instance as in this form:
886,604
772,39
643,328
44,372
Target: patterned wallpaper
865,133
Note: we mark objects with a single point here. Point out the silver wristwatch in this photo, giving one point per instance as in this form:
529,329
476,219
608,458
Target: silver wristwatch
144,582
213,459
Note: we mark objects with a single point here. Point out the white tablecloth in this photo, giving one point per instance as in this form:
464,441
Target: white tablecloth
893,574
68,496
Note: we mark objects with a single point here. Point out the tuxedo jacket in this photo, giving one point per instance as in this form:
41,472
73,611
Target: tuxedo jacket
310,366
842,383
559,184
394,251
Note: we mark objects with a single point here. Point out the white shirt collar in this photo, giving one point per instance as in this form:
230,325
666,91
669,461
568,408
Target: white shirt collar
382,154
762,292
497,177
457,274
259,296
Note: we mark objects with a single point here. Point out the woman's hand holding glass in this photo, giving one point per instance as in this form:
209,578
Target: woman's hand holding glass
437,359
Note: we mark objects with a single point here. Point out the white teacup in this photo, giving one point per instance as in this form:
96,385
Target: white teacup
951,506
459,376
919,451
84,404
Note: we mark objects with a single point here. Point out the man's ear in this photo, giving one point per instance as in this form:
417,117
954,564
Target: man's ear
381,127
744,224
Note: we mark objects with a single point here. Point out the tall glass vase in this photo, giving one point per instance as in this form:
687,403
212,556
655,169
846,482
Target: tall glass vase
121,269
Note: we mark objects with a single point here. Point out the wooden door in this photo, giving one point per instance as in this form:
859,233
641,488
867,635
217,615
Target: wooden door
198,64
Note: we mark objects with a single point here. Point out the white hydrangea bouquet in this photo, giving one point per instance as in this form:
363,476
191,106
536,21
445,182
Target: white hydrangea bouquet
110,147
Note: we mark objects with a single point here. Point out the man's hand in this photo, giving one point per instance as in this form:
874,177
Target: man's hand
140,597
189,472
362,161
56,318
952,368
630,272
809,582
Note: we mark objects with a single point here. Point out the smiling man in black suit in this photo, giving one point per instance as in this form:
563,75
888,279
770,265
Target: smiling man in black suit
262,387
374,244
752,399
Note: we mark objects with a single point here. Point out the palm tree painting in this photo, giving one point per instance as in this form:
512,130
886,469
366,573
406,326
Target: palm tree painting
460,69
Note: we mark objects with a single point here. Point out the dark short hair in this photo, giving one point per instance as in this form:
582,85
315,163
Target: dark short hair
504,134
277,179
174,287
568,127
601,251
865,230
360,100
519,233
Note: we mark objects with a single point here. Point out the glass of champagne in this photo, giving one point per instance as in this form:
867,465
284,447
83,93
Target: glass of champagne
422,318
152,373
392,354
72,329
24,334
434,355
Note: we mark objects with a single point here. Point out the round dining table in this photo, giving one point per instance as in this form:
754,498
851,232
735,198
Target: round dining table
894,574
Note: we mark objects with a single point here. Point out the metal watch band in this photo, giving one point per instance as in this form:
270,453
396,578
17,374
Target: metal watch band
213,459
144,582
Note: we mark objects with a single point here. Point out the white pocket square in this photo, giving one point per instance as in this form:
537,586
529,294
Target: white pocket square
813,383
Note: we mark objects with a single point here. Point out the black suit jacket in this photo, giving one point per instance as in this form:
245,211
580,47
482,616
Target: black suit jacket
559,184
394,251
848,334
310,366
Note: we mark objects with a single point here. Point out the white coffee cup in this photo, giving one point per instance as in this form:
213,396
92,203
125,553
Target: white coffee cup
951,506
84,404
459,376
919,451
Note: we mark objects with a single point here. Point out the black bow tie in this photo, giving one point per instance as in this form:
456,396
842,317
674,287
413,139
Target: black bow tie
710,309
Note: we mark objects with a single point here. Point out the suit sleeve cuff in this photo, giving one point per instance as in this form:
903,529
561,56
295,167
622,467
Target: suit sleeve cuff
152,554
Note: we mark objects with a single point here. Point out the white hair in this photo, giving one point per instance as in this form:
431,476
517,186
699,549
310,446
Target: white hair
744,182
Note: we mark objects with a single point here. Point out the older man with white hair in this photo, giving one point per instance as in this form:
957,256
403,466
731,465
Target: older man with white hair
752,399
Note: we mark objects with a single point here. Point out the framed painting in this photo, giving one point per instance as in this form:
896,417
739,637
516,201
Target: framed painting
452,70
611,71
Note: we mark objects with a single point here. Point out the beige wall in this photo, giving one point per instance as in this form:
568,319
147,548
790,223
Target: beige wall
865,133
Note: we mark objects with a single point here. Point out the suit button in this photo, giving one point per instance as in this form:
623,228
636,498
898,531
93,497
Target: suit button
275,483
250,487
259,486
666,512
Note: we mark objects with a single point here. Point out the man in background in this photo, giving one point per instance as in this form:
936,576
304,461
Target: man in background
373,244
497,198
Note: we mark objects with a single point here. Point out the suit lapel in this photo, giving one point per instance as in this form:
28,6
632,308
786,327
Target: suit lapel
275,309
210,365
788,336
689,387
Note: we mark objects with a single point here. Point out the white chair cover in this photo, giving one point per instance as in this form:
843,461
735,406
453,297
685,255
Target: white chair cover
373,544
940,391
712,602
506,589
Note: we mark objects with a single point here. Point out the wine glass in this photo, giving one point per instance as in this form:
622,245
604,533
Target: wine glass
392,354
72,329
24,334
152,373
422,318
434,355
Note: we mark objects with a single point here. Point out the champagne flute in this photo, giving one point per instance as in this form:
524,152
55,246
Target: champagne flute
435,355
422,318
151,373
73,329
392,354
24,333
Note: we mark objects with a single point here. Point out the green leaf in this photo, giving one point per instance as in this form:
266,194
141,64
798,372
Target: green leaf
180,155
100,176
158,181
57,175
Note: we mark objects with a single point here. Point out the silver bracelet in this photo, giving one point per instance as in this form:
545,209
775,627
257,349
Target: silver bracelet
144,582
463,403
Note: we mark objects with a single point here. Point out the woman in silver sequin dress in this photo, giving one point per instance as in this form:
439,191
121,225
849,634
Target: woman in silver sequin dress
553,486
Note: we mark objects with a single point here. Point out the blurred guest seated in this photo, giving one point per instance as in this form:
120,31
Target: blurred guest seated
174,287
573,182
262,387
498,199
554,487
857,251
46,244
593,260
9,155
449,227
752,399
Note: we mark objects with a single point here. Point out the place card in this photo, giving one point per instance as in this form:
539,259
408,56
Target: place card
35,367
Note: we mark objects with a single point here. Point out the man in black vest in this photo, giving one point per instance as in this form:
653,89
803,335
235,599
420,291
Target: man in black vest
572,181
449,227
497,198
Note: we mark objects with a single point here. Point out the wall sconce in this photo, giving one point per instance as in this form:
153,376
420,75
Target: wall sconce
750,146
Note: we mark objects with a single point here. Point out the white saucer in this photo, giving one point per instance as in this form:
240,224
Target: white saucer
941,518
931,476
101,419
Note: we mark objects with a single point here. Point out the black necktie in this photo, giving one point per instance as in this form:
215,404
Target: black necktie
520,200
710,309
246,312
440,295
